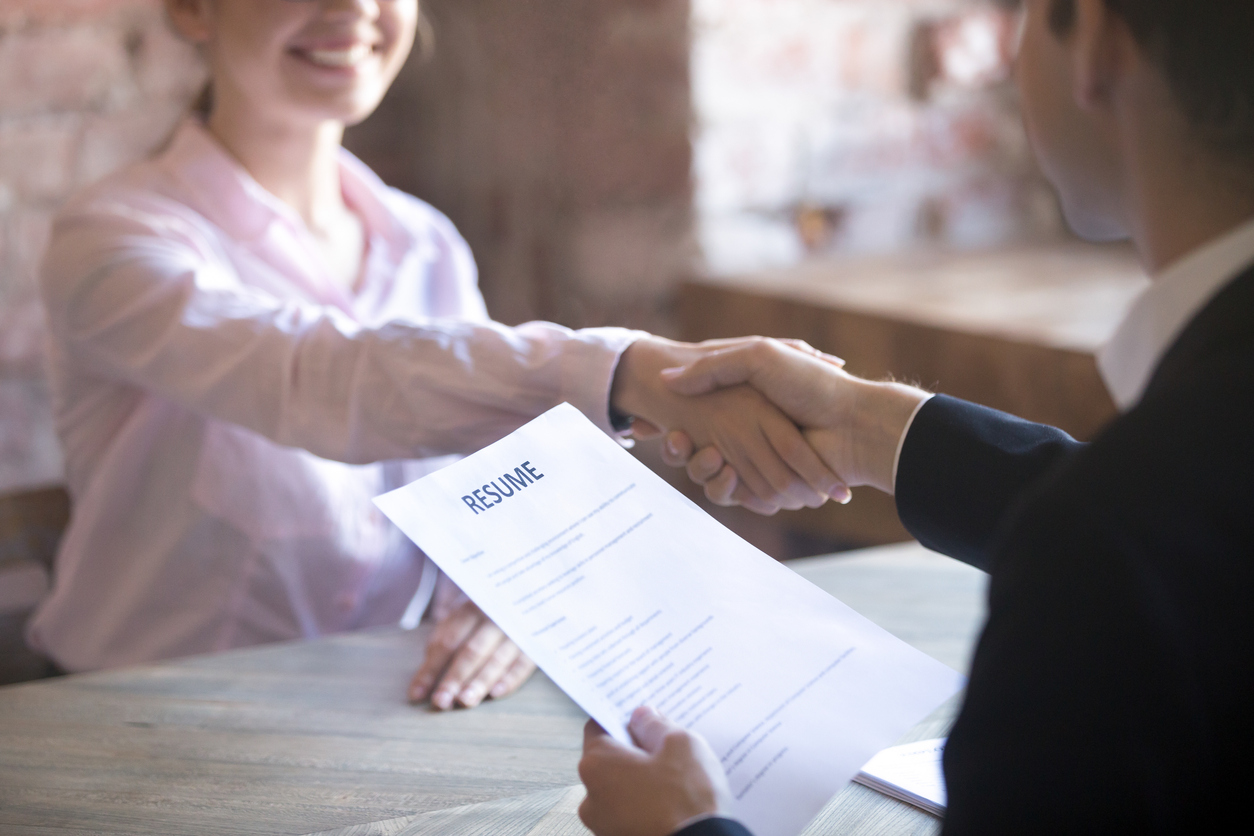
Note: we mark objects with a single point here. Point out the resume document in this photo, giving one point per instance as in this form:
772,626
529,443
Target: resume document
626,593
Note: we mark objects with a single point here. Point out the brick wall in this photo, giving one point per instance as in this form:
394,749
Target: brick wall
85,86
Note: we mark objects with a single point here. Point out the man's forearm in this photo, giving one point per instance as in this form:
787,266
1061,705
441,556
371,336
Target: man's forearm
963,467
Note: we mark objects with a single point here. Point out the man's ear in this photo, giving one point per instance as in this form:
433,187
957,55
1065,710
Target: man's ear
192,19
1102,48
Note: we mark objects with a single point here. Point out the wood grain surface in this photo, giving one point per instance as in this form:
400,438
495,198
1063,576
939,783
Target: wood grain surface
316,737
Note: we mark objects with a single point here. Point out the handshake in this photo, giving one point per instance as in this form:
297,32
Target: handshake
764,423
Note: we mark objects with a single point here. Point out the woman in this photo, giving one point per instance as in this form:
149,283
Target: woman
252,337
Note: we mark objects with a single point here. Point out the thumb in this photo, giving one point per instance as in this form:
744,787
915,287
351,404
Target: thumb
642,430
648,728
714,371
805,348
687,380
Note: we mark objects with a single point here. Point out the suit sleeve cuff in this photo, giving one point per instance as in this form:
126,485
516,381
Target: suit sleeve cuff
901,442
712,825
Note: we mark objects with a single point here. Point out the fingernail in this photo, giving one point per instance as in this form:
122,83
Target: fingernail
417,692
443,700
671,448
844,496
498,690
471,697
832,487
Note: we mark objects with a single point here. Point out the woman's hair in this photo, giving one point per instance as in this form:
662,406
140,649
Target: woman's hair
1203,48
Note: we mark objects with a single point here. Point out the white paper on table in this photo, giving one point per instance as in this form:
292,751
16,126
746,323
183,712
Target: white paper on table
911,773
626,593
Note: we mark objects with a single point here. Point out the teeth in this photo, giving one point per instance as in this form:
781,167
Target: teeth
340,57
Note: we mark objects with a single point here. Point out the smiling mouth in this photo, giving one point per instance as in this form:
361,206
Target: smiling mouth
337,58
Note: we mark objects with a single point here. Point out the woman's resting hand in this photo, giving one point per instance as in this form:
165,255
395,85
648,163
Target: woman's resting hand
468,659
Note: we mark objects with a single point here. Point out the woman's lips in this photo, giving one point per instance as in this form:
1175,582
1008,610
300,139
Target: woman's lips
337,58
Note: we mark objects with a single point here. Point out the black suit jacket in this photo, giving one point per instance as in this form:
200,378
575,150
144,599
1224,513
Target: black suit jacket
1112,690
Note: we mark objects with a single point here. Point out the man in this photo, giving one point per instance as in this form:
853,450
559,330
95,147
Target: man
1113,687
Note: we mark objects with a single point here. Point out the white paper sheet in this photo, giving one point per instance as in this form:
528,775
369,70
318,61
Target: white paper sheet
626,593
912,773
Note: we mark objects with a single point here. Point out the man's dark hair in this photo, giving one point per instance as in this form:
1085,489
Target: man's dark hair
1205,49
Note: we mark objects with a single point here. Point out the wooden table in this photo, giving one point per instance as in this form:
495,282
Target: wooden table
316,736
1014,329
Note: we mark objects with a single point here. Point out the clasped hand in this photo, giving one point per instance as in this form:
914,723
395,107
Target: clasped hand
853,426
775,467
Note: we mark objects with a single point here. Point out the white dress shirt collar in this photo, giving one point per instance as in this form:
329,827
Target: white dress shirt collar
1159,315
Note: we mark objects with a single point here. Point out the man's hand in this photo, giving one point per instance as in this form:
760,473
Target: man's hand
775,465
472,659
855,425
677,777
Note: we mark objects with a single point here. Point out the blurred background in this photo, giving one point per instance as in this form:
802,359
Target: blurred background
851,172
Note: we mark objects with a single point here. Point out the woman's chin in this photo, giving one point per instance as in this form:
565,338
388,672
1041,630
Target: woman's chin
349,105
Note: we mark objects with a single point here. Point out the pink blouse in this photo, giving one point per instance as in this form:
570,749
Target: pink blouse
227,411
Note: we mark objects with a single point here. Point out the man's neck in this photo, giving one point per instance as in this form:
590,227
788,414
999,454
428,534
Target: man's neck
1180,195
1178,221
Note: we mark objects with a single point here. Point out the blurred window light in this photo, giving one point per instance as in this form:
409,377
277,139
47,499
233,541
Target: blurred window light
829,126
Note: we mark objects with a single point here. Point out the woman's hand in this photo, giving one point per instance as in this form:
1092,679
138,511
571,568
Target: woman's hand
471,658
676,778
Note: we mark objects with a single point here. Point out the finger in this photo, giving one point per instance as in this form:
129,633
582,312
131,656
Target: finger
705,465
797,453
729,342
588,812
717,370
796,475
448,635
832,359
801,345
676,448
592,731
642,430
721,488
518,673
467,661
598,749
805,348
501,660
760,469
648,728
743,497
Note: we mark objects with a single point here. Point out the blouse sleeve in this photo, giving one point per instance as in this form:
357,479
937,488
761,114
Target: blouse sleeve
143,299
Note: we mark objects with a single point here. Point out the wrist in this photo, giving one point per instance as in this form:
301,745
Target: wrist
637,389
881,416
